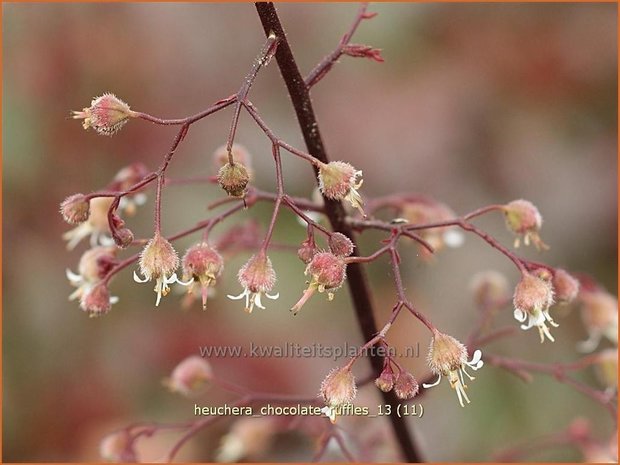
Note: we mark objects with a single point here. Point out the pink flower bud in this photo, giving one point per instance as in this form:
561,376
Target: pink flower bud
385,381
75,209
406,386
234,179
97,301
338,387
532,298
307,250
204,265
106,114
566,287
117,447
190,377
257,277
123,237
338,180
328,274
489,288
340,245
240,154
524,220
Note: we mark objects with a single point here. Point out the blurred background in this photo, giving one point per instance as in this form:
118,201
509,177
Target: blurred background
475,104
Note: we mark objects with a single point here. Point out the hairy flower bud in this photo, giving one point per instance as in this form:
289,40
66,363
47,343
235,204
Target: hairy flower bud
532,298
524,220
338,180
202,264
566,287
385,381
190,377
338,387
75,209
240,155
406,386
97,301
233,179
328,274
307,250
257,277
106,114
340,245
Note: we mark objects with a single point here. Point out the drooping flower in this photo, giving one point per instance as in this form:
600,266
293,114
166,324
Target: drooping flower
257,277
202,265
328,273
599,313
566,287
448,357
158,261
338,388
75,209
338,180
106,114
96,226
94,265
532,298
524,220
190,377
97,300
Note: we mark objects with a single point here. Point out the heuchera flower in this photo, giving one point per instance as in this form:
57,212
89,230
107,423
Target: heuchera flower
524,220
448,357
75,209
566,287
328,273
532,298
158,261
96,226
190,377
385,381
257,277
599,313
234,179
97,300
93,266
338,180
406,386
340,245
338,388
106,114
202,264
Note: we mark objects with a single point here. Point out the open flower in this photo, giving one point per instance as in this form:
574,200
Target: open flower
202,264
337,389
524,220
158,261
96,226
97,300
257,277
532,298
328,273
448,357
106,114
338,180
93,266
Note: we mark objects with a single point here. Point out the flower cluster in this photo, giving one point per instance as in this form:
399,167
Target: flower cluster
337,389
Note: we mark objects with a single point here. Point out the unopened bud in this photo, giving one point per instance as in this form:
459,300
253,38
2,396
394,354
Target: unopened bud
190,377
240,155
123,237
524,220
338,387
106,114
340,245
566,287
385,381
75,209
306,251
406,386
234,179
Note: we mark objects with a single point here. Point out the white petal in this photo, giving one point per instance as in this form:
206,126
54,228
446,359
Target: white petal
274,296
73,277
114,299
137,278
257,300
238,297
477,356
520,315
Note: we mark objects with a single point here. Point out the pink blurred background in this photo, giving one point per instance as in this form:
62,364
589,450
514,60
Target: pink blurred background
475,104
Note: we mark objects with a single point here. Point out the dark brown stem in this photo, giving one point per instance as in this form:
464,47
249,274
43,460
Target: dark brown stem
357,282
